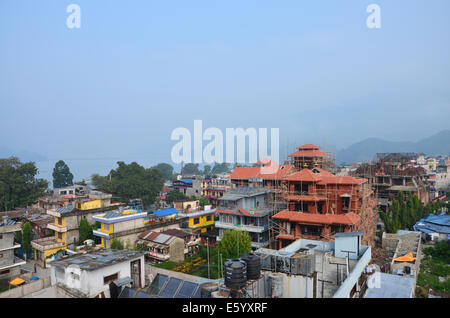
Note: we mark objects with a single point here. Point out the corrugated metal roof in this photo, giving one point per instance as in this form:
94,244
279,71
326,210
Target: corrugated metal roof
158,238
98,259
67,209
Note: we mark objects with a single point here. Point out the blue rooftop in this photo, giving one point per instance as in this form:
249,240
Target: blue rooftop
434,224
165,212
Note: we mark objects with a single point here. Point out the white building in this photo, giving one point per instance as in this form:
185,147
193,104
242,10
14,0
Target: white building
89,274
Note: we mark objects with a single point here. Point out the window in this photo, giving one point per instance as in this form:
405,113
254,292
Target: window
320,207
1,236
59,236
345,203
1,255
110,278
208,218
6,271
59,221
196,220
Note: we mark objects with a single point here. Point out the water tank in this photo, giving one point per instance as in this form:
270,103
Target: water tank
407,270
303,264
253,263
207,289
235,273
276,285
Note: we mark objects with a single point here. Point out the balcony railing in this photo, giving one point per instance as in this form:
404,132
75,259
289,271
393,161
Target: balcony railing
57,228
46,243
242,227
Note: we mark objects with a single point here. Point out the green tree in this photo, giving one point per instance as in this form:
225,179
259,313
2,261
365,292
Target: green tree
26,238
207,170
18,237
190,168
131,181
19,186
85,231
166,169
234,243
203,201
175,195
117,244
62,177
220,168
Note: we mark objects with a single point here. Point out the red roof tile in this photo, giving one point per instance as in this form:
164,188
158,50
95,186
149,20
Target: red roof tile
245,173
304,175
300,217
276,172
265,162
308,146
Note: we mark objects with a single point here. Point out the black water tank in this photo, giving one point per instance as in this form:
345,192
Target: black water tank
408,270
253,263
235,273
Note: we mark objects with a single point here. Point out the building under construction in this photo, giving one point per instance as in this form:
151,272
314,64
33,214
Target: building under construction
391,173
310,202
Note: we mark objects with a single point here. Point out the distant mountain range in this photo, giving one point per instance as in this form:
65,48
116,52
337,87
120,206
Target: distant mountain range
438,144
23,155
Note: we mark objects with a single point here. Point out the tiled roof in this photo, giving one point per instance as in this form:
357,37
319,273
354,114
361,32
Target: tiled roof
300,217
265,162
276,172
245,173
308,146
304,175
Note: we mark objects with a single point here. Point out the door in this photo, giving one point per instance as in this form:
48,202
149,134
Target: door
136,273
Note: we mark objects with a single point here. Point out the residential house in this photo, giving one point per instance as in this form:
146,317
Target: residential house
197,218
161,247
189,187
66,227
90,274
246,209
213,188
9,263
125,225
191,240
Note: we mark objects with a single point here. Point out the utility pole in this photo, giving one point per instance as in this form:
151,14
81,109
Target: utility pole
207,252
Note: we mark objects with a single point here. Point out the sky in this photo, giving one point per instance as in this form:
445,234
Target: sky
117,87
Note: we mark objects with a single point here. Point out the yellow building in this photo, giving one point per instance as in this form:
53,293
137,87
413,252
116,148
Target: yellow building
89,205
200,220
119,224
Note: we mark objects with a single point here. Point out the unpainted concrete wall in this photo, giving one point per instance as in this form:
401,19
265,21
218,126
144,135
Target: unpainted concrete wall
27,289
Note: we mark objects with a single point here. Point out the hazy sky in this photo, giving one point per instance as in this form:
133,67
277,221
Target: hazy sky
135,70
